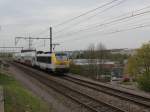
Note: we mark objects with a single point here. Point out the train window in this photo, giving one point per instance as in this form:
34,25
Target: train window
44,59
48,59
61,56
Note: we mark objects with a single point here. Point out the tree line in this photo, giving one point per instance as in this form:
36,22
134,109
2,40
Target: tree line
138,67
97,56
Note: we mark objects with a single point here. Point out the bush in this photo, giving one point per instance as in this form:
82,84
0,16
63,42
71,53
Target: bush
144,82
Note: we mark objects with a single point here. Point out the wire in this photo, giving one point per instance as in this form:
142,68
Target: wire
110,22
34,43
94,15
125,21
42,32
113,32
78,16
85,13
87,19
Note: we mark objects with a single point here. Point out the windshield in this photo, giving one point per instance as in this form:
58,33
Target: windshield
61,57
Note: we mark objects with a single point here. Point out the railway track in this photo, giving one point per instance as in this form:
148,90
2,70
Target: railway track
127,96
83,99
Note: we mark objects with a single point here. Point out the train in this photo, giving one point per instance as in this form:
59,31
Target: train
54,62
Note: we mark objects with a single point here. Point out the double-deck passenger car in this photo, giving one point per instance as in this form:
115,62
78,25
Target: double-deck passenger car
55,62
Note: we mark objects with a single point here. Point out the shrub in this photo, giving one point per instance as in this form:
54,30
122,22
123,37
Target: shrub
144,82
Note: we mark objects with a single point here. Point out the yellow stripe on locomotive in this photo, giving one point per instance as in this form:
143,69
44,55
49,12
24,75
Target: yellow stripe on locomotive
60,61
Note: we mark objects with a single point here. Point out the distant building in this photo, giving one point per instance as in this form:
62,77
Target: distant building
106,63
127,51
114,69
74,54
123,51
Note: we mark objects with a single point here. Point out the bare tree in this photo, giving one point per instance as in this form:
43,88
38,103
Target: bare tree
96,59
100,59
91,57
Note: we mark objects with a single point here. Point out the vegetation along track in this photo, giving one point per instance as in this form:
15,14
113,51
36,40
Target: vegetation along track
124,95
85,100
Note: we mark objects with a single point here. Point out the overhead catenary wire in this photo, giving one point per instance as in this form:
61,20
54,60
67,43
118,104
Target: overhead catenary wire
47,29
107,23
107,33
41,32
85,13
34,44
105,27
90,17
100,25
110,18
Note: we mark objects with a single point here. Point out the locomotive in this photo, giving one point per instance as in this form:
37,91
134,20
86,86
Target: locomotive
55,62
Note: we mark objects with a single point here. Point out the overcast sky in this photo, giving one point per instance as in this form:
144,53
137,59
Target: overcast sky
33,18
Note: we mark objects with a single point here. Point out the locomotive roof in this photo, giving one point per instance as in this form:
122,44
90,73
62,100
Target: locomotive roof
43,54
28,50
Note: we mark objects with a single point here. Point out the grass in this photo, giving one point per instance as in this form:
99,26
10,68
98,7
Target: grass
84,70
127,83
19,99
76,69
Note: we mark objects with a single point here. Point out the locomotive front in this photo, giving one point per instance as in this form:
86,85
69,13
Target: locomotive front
61,61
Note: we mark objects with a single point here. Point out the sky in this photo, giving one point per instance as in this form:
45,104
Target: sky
32,18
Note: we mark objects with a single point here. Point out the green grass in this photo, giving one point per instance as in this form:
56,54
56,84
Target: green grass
19,99
127,83
76,69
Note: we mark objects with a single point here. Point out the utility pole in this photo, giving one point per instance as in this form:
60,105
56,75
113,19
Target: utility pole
51,43
31,38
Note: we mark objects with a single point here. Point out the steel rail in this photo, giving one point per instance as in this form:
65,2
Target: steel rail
67,91
137,99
